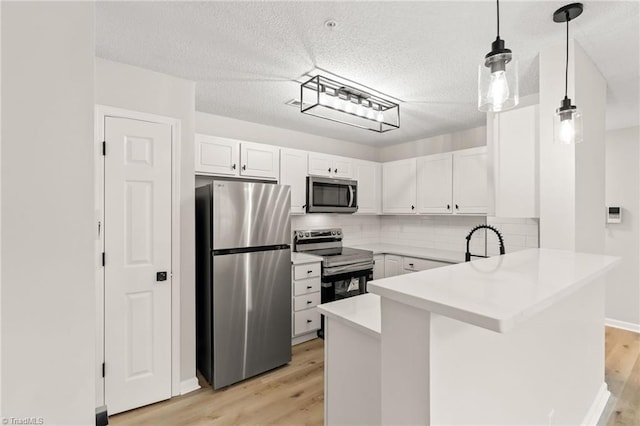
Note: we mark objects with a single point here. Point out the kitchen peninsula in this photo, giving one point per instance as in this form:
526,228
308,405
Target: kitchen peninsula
513,339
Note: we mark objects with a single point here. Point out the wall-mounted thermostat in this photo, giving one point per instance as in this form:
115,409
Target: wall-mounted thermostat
614,214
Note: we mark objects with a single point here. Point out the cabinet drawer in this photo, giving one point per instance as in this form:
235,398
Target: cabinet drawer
306,321
311,285
412,264
306,301
309,270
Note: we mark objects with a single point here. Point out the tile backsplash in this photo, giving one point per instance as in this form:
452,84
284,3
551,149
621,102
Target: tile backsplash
438,232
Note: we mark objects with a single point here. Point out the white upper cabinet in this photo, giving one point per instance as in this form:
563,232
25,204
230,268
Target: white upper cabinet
259,160
435,187
343,167
514,165
222,156
330,166
293,172
399,186
367,173
470,181
216,155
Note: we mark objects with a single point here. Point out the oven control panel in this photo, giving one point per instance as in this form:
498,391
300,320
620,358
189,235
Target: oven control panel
317,234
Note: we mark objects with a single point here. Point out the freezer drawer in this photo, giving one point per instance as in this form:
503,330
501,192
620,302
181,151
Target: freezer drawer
251,314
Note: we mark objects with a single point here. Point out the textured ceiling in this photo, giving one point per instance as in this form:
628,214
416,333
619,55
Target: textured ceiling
244,56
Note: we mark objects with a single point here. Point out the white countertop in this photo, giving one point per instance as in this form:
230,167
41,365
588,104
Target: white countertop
499,292
362,312
300,258
419,252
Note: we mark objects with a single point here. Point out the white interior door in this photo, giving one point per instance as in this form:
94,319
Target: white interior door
137,252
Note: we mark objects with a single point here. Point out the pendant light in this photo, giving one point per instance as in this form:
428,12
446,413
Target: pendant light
567,123
498,76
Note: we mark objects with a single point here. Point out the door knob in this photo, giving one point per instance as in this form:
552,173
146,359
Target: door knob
161,276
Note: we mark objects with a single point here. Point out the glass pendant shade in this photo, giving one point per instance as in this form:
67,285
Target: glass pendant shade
498,83
567,126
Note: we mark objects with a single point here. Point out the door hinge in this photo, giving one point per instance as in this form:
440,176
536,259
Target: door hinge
103,256
104,147
103,369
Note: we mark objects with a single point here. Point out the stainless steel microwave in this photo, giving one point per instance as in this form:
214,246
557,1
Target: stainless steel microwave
327,195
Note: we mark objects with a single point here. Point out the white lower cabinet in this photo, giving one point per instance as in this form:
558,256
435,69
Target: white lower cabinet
392,265
305,297
413,264
378,266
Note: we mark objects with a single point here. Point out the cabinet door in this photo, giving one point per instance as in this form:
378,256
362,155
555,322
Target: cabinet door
367,173
342,167
320,164
392,265
435,188
215,155
399,186
293,172
378,267
259,160
470,181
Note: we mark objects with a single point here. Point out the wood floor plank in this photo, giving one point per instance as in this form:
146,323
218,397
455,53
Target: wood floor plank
294,394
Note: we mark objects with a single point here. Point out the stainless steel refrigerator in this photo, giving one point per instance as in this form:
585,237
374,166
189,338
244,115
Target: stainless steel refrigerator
243,280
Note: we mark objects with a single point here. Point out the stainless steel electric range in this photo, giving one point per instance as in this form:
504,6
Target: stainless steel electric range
345,270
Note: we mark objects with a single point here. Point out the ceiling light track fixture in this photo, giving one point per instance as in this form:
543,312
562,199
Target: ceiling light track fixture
332,100
567,123
497,82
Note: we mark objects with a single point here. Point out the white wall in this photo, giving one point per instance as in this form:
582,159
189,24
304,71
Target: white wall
443,143
48,309
216,125
572,176
623,189
137,89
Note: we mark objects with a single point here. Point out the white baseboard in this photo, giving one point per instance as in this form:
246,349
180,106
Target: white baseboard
623,325
189,385
303,338
596,409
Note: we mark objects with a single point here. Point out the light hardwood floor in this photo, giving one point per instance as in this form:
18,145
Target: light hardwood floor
293,395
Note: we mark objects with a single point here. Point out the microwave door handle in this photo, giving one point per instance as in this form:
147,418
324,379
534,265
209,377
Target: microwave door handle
350,196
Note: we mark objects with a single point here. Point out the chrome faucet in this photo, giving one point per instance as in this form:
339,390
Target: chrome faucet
467,255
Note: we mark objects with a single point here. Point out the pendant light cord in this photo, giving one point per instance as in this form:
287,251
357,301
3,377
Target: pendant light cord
498,17
566,68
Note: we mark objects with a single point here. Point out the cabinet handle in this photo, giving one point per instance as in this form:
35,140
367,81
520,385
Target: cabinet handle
304,206
411,264
309,321
335,171
413,207
309,287
329,169
309,302
448,207
309,271
234,166
244,167
457,207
